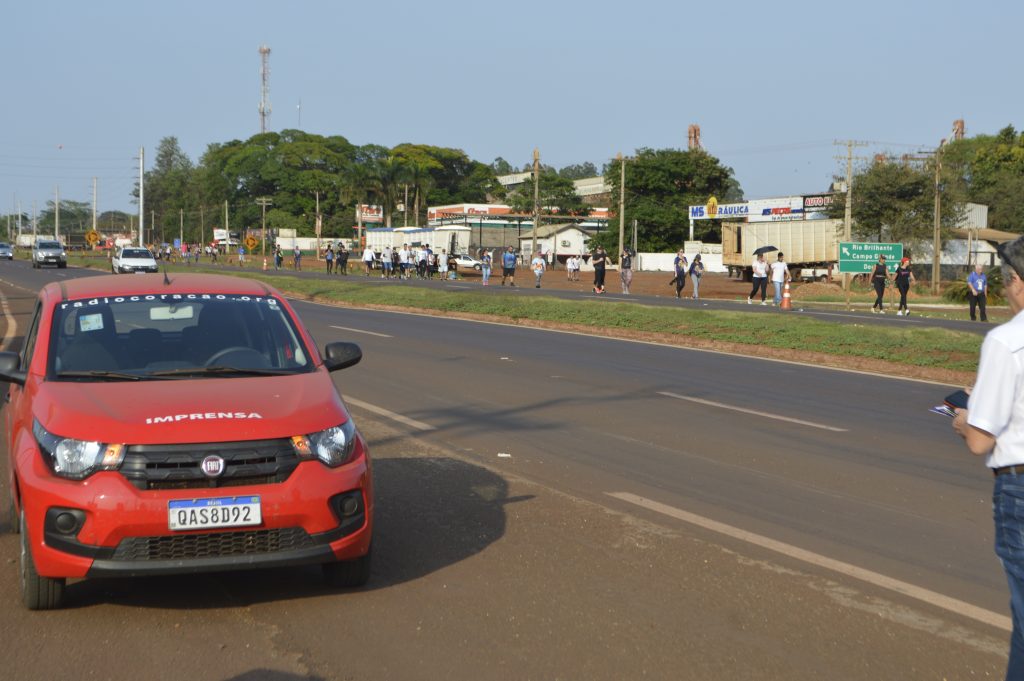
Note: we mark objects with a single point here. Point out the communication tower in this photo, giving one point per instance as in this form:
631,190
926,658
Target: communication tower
264,87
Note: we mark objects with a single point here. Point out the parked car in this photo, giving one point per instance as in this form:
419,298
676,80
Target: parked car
179,425
133,259
48,252
468,262
6,251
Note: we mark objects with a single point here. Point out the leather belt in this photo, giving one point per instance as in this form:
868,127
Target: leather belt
1008,470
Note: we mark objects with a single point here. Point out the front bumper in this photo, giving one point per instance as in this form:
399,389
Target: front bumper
129,269
122,530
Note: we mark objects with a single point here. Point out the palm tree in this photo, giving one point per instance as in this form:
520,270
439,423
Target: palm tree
385,176
422,182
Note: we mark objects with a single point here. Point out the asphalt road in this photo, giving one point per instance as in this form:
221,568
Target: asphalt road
565,506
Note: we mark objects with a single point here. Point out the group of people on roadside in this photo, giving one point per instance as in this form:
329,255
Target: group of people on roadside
682,269
777,272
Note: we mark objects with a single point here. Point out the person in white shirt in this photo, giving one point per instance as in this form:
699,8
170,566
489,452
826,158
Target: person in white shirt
386,262
760,268
993,426
368,258
539,266
780,275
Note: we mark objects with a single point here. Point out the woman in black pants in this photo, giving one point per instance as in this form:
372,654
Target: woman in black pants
760,279
598,261
903,278
878,278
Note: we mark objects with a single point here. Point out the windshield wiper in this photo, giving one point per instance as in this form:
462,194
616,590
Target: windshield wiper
103,374
220,371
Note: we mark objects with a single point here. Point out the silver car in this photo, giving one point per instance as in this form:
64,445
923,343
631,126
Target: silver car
6,251
49,252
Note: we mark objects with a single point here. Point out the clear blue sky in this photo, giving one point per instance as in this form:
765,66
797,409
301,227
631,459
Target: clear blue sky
85,84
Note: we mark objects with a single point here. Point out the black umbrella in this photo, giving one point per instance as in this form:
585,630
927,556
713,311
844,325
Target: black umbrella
765,249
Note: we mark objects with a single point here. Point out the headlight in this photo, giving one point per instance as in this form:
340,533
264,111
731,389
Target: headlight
77,459
333,446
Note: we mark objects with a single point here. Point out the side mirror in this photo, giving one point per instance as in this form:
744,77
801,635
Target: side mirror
340,355
10,365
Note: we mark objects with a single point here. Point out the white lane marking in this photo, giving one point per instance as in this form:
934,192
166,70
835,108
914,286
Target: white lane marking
763,414
370,333
910,590
458,286
12,324
381,411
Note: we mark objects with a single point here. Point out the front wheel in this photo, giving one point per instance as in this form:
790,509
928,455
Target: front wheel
348,574
37,592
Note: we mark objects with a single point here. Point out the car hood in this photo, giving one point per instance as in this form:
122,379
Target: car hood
190,410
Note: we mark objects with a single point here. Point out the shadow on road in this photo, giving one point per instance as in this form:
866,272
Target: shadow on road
430,513
272,675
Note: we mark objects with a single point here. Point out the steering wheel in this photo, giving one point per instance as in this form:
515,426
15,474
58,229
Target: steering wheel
240,349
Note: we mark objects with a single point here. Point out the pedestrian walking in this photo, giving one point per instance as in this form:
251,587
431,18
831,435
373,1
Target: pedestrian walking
760,279
508,266
404,257
278,257
485,267
539,266
879,277
599,259
368,258
341,266
993,426
681,266
241,256
386,263
903,278
696,272
329,258
626,269
779,275
977,282
442,264
297,258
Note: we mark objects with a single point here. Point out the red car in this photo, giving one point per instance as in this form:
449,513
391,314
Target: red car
174,425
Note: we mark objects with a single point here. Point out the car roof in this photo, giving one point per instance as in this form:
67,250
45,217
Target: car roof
114,285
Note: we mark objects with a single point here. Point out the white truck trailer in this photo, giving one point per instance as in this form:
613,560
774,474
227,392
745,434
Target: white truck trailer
811,247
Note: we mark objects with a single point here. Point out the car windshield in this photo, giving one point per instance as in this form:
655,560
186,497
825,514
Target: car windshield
47,244
136,253
174,336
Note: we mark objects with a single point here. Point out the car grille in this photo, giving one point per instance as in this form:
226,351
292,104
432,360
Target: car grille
163,467
212,544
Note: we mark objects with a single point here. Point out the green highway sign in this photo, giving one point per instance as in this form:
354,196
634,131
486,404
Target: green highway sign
857,258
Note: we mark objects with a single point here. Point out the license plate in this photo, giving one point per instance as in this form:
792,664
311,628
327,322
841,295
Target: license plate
199,514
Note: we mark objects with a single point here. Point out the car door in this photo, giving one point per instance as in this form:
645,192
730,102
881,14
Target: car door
15,413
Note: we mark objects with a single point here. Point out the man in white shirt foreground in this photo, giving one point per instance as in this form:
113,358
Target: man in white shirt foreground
993,425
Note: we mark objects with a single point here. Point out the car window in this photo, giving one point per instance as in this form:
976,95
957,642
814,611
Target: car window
153,335
136,253
47,244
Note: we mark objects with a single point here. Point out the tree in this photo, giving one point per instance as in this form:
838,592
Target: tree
661,185
502,167
579,171
990,170
557,195
895,202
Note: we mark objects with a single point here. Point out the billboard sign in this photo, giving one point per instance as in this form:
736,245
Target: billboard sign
776,210
371,213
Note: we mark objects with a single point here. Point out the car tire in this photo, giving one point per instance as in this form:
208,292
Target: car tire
477,267
348,574
37,592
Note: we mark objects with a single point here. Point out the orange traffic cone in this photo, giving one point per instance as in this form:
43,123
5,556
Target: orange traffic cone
787,303
264,264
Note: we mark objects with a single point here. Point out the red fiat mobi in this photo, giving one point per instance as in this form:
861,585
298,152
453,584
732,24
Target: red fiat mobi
174,425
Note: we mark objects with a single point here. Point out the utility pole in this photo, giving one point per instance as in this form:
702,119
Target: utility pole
19,218
319,225
202,226
227,228
405,207
35,235
622,201
152,226
536,200
142,195
263,202
848,213
94,204
181,229
936,236
56,213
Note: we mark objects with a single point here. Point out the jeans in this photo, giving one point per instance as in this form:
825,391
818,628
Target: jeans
1008,512
778,292
977,301
626,275
485,272
759,283
696,286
